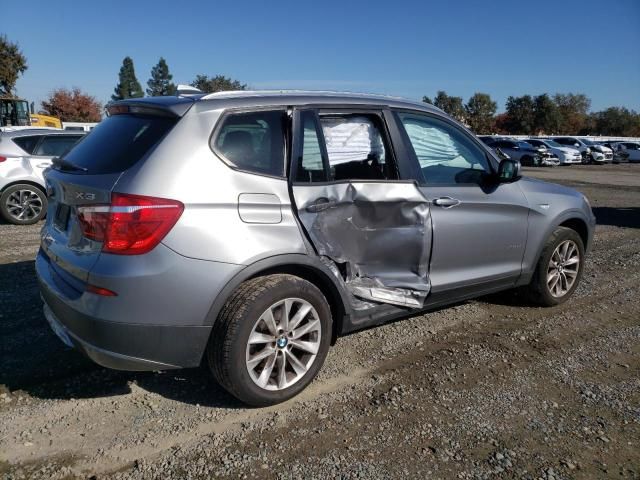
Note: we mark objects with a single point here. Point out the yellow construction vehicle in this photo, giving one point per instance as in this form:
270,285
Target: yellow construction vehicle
14,112
40,120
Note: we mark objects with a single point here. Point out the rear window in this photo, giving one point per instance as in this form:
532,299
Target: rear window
118,142
28,144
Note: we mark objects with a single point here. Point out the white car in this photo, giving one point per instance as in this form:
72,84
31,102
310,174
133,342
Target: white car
630,151
590,151
566,155
24,155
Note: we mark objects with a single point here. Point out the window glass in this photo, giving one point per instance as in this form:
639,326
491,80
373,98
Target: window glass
28,144
119,142
253,141
446,155
310,165
56,145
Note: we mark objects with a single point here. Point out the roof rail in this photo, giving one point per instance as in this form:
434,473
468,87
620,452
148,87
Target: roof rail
187,91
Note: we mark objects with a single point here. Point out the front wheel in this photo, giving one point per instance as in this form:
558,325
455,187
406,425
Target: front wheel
559,269
23,204
270,339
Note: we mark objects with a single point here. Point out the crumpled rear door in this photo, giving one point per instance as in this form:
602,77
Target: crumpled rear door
377,233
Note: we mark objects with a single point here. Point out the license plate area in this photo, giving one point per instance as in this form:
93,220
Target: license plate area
61,219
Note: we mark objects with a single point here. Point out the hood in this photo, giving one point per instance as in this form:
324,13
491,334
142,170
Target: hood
536,187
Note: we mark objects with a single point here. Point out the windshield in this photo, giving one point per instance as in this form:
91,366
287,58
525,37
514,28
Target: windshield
524,145
587,142
551,143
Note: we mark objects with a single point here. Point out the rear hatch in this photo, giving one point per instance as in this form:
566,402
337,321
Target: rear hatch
83,181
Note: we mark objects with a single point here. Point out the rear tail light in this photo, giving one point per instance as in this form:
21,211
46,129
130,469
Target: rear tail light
132,224
2,159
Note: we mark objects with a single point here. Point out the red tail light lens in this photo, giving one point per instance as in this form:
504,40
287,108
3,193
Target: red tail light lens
2,159
132,224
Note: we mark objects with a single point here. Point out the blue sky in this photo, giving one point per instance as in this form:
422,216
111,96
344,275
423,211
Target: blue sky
405,48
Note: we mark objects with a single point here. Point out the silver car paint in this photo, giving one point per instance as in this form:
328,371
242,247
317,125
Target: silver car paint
231,221
184,167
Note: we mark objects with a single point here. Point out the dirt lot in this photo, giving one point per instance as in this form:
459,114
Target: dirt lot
484,389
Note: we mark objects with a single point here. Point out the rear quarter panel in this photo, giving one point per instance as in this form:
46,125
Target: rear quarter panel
183,167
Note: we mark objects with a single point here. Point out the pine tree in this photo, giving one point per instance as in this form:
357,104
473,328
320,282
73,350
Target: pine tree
128,85
160,84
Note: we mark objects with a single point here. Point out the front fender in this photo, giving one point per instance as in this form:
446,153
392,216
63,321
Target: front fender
541,228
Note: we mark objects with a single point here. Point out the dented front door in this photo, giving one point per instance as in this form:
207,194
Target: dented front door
375,234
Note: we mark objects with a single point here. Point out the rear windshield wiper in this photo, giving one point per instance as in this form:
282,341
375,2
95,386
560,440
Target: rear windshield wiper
67,165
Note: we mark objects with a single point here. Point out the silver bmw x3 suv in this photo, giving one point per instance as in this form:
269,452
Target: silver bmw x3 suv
249,230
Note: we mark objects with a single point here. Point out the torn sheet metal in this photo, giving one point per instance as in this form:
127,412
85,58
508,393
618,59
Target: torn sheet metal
379,234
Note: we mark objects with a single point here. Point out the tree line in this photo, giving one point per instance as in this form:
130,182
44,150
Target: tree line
558,114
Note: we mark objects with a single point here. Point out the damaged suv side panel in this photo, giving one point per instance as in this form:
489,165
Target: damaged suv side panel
379,235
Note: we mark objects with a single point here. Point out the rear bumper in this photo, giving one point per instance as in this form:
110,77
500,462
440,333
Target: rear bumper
118,345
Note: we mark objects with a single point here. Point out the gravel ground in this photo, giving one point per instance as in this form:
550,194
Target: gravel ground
484,389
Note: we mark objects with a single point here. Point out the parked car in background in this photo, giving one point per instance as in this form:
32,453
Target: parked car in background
24,155
630,151
566,155
589,155
597,147
525,153
257,256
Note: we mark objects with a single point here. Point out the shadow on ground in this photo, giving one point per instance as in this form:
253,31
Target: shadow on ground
34,360
618,217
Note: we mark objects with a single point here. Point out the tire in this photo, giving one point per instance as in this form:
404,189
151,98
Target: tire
23,204
232,359
539,291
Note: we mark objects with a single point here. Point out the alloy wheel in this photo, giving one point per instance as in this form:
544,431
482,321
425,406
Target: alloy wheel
283,344
24,205
563,268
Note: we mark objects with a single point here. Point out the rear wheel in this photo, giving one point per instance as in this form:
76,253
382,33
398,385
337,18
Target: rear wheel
559,268
23,204
270,339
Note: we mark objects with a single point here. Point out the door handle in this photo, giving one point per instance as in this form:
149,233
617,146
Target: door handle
320,204
446,202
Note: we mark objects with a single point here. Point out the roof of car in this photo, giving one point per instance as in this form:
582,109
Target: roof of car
37,131
257,98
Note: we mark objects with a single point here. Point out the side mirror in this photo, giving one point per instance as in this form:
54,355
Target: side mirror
509,171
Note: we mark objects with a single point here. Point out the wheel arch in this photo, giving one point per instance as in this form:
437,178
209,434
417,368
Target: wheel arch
579,226
24,182
301,266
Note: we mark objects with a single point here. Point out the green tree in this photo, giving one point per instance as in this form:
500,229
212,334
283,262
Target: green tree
218,83
160,85
451,105
521,115
479,112
428,100
12,64
573,108
547,116
128,85
617,121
